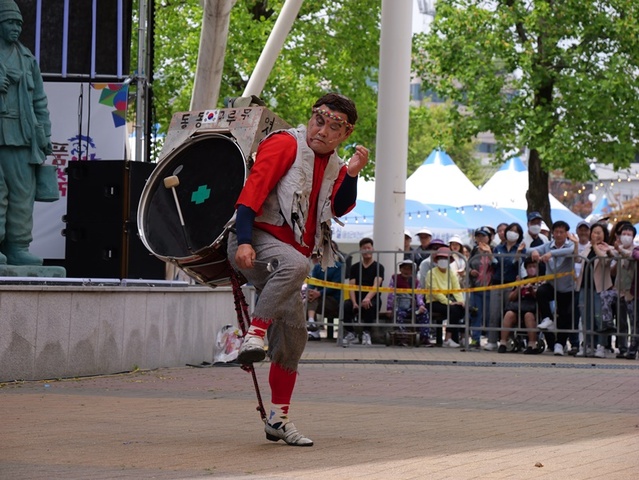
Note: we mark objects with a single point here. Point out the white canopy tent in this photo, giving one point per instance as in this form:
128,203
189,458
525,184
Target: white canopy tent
507,189
438,181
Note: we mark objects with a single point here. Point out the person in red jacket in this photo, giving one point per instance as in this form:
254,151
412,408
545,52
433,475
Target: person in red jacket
297,184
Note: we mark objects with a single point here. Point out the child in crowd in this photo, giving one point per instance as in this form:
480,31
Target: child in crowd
522,302
404,304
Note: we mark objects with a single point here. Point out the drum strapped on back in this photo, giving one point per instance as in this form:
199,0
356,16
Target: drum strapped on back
187,207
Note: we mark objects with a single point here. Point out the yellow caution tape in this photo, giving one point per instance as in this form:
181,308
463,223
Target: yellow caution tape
347,287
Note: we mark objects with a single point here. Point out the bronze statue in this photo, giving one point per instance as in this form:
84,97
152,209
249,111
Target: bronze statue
25,138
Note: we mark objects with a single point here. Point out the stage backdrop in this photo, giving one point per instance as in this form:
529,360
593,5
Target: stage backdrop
88,124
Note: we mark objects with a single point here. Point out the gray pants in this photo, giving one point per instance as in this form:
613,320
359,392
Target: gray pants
279,295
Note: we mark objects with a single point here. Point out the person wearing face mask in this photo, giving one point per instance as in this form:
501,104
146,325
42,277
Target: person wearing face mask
506,266
624,270
597,292
451,305
533,237
522,303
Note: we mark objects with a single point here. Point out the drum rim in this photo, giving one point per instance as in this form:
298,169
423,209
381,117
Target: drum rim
150,183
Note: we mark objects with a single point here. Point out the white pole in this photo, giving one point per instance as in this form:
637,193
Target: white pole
210,59
392,128
273,47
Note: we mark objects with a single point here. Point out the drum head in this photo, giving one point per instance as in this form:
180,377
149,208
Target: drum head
211,172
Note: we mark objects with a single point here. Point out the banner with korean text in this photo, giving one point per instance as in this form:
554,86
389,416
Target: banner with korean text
88,123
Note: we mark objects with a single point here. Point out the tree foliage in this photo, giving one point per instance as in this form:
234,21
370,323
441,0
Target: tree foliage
430,129
559,77
332,46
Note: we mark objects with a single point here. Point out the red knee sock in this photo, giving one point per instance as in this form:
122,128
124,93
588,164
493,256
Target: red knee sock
282,383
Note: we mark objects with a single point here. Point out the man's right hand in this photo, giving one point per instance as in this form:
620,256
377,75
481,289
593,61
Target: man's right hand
245,256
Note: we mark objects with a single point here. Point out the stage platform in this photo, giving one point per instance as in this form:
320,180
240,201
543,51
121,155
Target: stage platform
70,327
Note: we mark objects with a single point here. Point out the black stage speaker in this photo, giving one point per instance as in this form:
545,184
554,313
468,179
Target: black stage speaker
79,38
101,233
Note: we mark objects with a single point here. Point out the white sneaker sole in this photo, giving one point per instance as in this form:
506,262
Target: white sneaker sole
251,354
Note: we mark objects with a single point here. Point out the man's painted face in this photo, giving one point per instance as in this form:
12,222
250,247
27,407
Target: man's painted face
326,130
10,30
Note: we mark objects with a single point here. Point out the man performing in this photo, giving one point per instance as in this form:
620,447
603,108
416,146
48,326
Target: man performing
25,138
297,184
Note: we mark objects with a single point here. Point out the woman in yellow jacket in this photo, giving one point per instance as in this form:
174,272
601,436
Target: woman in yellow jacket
450,305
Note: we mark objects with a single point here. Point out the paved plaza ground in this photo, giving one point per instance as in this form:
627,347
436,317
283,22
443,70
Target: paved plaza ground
374,413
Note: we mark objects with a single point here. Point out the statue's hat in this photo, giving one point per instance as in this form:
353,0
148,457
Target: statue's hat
9,10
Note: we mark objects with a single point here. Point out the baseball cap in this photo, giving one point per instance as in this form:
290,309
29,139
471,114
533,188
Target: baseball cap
407,234
425,231
544,226
534,215
583,223
482,231
442,252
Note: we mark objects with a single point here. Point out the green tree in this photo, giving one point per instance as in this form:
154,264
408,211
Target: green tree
559,77
431,128
332,46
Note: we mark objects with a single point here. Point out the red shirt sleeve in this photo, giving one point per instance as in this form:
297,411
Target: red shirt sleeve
274,158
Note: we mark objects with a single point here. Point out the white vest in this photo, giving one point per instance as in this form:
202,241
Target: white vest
289,201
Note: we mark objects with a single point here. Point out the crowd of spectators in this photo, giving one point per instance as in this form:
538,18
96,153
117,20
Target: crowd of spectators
507,289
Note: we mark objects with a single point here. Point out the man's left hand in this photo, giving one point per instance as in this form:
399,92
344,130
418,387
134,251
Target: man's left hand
358,161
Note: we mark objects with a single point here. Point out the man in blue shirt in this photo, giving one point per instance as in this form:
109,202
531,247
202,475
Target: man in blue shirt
559,256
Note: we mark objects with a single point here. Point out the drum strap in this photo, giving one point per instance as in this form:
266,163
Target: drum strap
244,320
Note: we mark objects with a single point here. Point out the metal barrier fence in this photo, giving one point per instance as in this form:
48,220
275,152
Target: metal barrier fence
590,301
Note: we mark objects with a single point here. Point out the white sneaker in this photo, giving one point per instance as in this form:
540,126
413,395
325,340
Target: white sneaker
450,343
546,324
348,339
600,352
584,353
288,433
314,335
490,346
559,350
252,350
366,338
